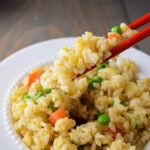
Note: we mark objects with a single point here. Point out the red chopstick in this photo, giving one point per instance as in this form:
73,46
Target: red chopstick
140,21
140,35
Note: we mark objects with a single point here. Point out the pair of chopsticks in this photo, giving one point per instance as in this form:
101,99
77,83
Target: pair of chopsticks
140,35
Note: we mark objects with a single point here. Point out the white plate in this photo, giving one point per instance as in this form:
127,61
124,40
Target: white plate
17,63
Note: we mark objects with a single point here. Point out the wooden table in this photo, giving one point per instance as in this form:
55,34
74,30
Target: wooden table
24,22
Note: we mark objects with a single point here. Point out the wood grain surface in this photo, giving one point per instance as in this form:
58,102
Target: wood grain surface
24,22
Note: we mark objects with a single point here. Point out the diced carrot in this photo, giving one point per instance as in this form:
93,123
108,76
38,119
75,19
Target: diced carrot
120,128
110,132
58,114
34,76
113,35
113,133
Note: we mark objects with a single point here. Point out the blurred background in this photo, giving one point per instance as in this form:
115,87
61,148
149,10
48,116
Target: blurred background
24,22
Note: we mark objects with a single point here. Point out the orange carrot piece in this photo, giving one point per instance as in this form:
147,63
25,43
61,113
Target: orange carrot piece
34,76
113,133
113,35
58,114
110,132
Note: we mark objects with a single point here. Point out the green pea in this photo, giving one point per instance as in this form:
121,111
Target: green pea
80,147
102,66
47,91
90,84
52,107
116,29
103,119
26,97
97,79
93,80
37,95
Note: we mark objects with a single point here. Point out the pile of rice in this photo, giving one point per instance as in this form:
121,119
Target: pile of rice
120,95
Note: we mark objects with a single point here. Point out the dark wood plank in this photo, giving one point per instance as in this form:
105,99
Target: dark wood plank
135,9
26,22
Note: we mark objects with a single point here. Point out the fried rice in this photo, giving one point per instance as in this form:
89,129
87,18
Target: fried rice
106,109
